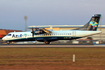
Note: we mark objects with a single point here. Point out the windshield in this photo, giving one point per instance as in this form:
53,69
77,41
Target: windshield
9,35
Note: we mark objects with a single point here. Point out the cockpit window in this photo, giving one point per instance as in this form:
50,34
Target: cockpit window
9,35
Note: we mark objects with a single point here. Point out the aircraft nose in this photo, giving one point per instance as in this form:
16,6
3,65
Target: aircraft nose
3,38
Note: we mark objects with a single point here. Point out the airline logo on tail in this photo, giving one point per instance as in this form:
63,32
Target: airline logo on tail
94,24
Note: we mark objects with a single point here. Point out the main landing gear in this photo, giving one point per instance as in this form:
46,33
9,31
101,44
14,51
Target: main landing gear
46,42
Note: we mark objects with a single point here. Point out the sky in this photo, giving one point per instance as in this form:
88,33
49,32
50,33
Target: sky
48,12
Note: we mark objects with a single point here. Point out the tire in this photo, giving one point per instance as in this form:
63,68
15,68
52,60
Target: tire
8,42
47,42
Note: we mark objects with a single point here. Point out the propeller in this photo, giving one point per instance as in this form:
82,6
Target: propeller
33,33
41,31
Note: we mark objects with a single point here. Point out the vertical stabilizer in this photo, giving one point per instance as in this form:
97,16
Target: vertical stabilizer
92,25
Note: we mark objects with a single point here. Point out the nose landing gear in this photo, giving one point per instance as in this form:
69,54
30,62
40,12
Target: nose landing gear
8,42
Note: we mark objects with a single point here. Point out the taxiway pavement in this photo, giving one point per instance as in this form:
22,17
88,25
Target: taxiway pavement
47,46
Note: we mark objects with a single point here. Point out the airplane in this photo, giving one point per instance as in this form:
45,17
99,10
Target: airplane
47,36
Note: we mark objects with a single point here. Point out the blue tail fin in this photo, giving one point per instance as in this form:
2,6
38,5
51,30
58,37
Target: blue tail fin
94,22
92,25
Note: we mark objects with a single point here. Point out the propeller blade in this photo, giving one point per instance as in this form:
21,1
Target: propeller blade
33,33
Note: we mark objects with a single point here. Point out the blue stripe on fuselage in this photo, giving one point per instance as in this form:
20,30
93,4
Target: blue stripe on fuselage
45,38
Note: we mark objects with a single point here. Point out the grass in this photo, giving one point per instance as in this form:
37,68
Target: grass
52,56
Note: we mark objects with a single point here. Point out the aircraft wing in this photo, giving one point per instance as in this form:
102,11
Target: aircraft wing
45,30
42,29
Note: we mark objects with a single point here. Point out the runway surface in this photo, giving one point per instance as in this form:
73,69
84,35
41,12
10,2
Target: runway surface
47,46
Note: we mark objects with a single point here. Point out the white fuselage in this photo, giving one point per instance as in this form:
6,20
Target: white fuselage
55,35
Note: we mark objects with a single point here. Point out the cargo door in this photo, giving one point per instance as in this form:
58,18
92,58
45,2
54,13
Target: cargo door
74,34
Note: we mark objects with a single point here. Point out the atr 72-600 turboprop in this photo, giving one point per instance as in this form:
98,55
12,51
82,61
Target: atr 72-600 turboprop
47,36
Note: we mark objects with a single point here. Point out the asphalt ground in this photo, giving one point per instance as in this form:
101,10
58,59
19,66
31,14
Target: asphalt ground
49,46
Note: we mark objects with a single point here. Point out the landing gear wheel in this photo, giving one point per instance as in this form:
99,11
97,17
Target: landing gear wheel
46,42
8,42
